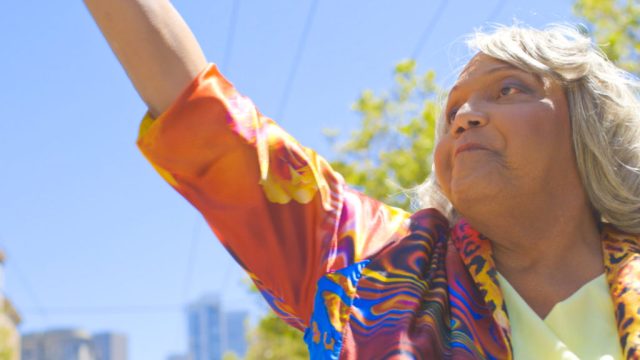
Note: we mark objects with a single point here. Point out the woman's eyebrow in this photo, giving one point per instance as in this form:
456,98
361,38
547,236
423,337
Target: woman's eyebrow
492,72
504,67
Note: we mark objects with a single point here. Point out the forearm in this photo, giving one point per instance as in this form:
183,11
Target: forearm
154,44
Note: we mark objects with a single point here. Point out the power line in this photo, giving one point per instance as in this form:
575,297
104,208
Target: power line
191,258
26,285
296,60
226,275
231,31
429,29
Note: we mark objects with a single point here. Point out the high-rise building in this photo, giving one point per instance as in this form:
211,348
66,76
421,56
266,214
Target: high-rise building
73,344
236,322
213,332
205,326
178,357
64,344
110,346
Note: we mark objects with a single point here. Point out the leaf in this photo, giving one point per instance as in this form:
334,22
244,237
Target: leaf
615,25
389,152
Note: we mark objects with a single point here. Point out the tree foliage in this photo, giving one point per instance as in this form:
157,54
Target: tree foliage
390,150
6,349
387,153
273,339
230,355
615,24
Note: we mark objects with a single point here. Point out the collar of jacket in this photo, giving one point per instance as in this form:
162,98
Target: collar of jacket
622,265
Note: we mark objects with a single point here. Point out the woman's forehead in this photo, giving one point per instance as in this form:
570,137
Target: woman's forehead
482,65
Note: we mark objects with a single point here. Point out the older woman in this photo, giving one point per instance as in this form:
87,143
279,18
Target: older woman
527,247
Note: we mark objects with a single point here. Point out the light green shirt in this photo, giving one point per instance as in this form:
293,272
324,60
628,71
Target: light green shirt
583,326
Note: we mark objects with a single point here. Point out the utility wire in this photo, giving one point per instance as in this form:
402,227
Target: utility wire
231,32
226,275
296,59
22,279
426,33
191,257
27,286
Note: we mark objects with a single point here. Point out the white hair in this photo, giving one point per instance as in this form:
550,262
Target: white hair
604,110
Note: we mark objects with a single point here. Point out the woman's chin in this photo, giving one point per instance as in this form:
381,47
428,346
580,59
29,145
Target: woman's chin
467,194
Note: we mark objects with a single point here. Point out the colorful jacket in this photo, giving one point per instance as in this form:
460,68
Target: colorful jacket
363,280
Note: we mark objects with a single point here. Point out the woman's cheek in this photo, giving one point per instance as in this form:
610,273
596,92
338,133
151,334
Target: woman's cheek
442,161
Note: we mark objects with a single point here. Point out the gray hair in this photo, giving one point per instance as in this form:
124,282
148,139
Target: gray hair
604,109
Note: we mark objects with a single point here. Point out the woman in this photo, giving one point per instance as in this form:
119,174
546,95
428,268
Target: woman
527,247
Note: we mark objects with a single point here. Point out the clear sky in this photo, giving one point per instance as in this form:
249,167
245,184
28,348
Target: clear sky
94,238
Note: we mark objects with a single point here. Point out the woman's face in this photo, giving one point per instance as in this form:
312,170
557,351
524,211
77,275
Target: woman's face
508,136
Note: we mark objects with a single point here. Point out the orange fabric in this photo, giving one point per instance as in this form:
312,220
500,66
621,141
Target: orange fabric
256,185
385,282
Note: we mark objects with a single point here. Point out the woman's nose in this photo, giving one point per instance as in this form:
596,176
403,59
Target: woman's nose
468,117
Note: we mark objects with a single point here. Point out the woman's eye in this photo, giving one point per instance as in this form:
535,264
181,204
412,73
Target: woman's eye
452,115
509,90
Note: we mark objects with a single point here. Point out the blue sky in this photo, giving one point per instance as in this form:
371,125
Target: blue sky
95,239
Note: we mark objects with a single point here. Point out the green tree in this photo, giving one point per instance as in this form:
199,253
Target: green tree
273,339
615,24
390,149
230,355
389,152
6,349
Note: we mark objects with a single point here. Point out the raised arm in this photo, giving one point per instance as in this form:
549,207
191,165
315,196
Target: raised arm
155,46
281,211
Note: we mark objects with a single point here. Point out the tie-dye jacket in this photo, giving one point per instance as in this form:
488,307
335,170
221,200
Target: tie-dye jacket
363,280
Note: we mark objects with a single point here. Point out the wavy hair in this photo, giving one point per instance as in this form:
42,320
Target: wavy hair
604,109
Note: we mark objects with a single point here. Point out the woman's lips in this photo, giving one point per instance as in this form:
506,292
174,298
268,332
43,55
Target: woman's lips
469,147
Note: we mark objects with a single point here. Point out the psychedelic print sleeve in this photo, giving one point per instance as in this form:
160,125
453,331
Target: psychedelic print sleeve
279,209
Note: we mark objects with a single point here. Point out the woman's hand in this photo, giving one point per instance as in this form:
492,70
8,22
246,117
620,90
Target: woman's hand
154,44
